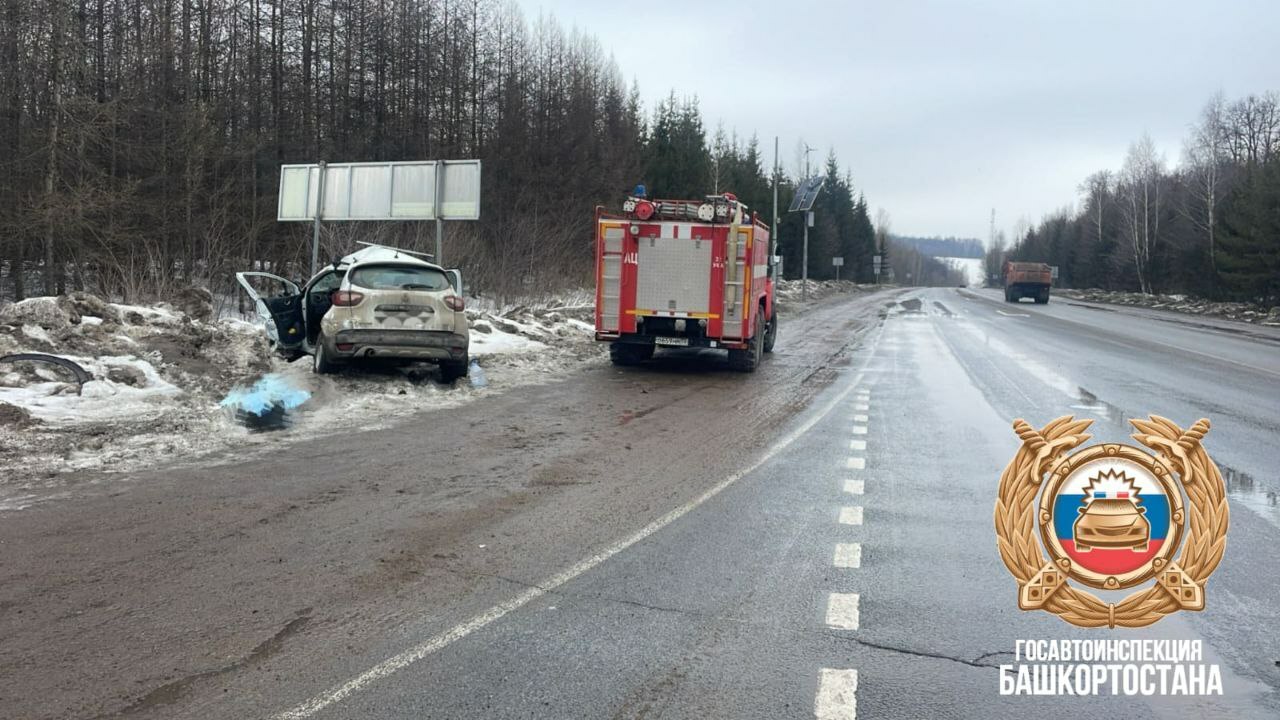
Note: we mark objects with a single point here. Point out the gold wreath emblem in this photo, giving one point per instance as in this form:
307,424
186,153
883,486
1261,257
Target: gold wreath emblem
1179,582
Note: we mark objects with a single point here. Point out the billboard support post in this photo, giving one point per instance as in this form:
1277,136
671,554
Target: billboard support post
315,229
439,258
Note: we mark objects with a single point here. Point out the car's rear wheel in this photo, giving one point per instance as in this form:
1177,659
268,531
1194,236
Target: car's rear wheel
321,364
451,370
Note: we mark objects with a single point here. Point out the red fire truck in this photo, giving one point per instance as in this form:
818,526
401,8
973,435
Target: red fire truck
684,273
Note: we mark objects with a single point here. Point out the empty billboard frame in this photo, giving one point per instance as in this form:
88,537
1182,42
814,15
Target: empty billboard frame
410,190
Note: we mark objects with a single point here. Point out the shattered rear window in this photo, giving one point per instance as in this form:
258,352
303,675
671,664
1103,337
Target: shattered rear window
399,277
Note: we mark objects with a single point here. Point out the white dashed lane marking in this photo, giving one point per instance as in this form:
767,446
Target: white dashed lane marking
848,555
856,463
859,429
853,487
860,418
857,444
851,515
842,611
425,648
861,406
837,695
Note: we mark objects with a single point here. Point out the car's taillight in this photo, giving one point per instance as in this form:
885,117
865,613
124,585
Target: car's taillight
454,303
347,298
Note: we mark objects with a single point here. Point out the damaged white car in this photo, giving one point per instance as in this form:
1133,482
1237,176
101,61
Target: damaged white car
377,304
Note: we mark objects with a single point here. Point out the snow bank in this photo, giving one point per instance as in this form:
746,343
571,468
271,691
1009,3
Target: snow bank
159,374
792,292
1244,312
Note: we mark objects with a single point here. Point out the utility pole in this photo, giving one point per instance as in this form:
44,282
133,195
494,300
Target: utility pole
804,261
773,234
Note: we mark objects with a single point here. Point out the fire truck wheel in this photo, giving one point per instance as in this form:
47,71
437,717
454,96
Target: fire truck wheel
629,353
747,360
771,332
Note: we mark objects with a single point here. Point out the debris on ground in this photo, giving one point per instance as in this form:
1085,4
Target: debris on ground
266,404
1243,312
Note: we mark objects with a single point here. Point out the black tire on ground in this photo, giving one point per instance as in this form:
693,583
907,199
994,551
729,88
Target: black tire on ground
451,370
1012,296
749,359
771,332
321,364
629,353
1042,298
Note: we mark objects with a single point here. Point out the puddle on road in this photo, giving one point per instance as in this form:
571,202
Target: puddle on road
1245,490
1241,488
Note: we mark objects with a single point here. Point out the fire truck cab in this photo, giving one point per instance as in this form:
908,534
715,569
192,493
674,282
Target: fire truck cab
684,273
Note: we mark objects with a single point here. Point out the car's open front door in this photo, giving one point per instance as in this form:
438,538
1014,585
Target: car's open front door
280,311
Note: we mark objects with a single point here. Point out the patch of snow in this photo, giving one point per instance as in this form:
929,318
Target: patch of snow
35,332
56,402
502,342
146,310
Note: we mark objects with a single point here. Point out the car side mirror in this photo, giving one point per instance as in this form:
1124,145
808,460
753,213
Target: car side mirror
455,279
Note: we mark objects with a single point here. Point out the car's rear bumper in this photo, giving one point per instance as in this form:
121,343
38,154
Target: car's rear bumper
397,345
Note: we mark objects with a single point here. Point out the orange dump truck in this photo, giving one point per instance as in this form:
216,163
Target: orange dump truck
1027,279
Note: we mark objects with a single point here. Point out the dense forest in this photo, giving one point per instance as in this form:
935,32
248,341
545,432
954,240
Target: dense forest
1209,226
140,142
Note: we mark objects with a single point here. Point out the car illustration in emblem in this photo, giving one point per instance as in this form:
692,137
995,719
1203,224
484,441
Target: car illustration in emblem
1112,523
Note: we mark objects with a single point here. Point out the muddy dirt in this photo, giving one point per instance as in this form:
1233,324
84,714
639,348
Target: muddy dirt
218,589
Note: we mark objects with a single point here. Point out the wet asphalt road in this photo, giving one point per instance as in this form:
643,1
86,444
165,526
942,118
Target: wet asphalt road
679,544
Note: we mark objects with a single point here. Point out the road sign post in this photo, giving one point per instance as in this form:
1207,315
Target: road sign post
838,262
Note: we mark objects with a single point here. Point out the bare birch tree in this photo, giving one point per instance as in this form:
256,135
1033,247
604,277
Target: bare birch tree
1205,156
1141,181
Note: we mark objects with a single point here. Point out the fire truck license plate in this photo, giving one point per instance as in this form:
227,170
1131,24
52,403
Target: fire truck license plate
681,342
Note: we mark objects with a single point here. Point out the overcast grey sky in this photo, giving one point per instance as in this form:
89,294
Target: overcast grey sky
944,110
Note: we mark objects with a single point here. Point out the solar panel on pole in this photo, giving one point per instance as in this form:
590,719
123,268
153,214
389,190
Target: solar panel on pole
807,194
